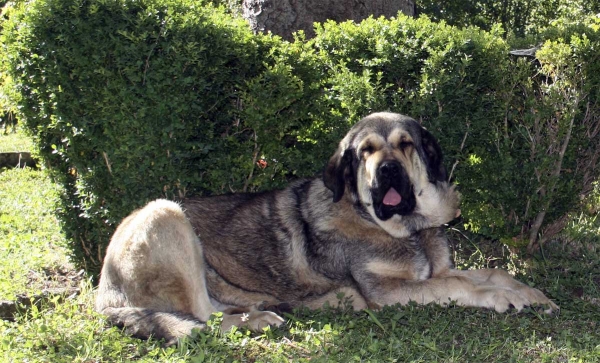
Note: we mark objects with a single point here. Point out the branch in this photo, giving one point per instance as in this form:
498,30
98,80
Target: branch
539,219
462,146
254,157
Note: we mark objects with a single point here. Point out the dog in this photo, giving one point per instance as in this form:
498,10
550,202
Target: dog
370,229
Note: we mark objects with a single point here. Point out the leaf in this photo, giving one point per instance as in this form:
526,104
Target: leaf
374,318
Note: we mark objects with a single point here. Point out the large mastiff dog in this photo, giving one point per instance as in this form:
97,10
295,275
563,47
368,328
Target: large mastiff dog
368,229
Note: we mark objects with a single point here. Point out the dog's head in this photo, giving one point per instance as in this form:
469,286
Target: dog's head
393,168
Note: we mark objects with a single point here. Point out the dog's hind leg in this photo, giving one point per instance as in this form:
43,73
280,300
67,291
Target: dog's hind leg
153,280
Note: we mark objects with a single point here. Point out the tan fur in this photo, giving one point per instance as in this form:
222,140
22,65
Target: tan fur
398,271
337,298
169,267
160,232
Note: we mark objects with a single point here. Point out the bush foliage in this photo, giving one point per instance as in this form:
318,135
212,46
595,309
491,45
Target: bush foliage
133,100
517,17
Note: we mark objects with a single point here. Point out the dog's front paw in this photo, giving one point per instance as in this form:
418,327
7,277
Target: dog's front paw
537,298
502,299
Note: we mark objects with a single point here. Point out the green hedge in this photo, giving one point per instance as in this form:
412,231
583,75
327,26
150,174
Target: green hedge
133,100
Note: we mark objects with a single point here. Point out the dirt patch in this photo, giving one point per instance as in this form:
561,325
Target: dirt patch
17,159
61,282
62,277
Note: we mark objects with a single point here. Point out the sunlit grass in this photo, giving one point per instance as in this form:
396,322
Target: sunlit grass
32,250
14,141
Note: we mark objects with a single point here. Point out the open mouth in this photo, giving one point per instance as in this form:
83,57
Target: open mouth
394,202
393,194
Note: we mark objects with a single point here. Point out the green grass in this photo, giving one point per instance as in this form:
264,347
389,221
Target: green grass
66,329
33,252
14,141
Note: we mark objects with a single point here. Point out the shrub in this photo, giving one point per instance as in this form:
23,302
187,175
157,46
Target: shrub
133,100
520,135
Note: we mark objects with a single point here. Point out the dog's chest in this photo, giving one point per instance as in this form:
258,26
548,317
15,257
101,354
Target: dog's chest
420,257
409,268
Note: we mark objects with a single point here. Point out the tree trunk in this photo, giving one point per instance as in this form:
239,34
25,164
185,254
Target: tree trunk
283,17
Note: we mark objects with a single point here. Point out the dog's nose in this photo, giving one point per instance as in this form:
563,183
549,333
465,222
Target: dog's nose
389,169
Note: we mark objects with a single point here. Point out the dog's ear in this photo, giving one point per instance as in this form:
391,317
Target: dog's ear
337,173
433,157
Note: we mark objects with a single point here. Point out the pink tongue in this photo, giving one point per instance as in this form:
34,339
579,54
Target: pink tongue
392,197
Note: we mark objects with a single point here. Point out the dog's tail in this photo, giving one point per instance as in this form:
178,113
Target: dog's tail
145,323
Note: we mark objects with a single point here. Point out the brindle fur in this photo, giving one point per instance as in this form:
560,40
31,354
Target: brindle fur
170,266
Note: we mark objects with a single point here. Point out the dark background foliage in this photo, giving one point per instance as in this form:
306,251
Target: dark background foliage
516,17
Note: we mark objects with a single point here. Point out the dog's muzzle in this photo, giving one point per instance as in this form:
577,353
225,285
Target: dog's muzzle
393,192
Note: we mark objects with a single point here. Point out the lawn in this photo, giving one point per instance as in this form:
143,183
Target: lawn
14,141
34,257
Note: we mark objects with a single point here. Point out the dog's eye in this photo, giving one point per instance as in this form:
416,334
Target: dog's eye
405,144
369,149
